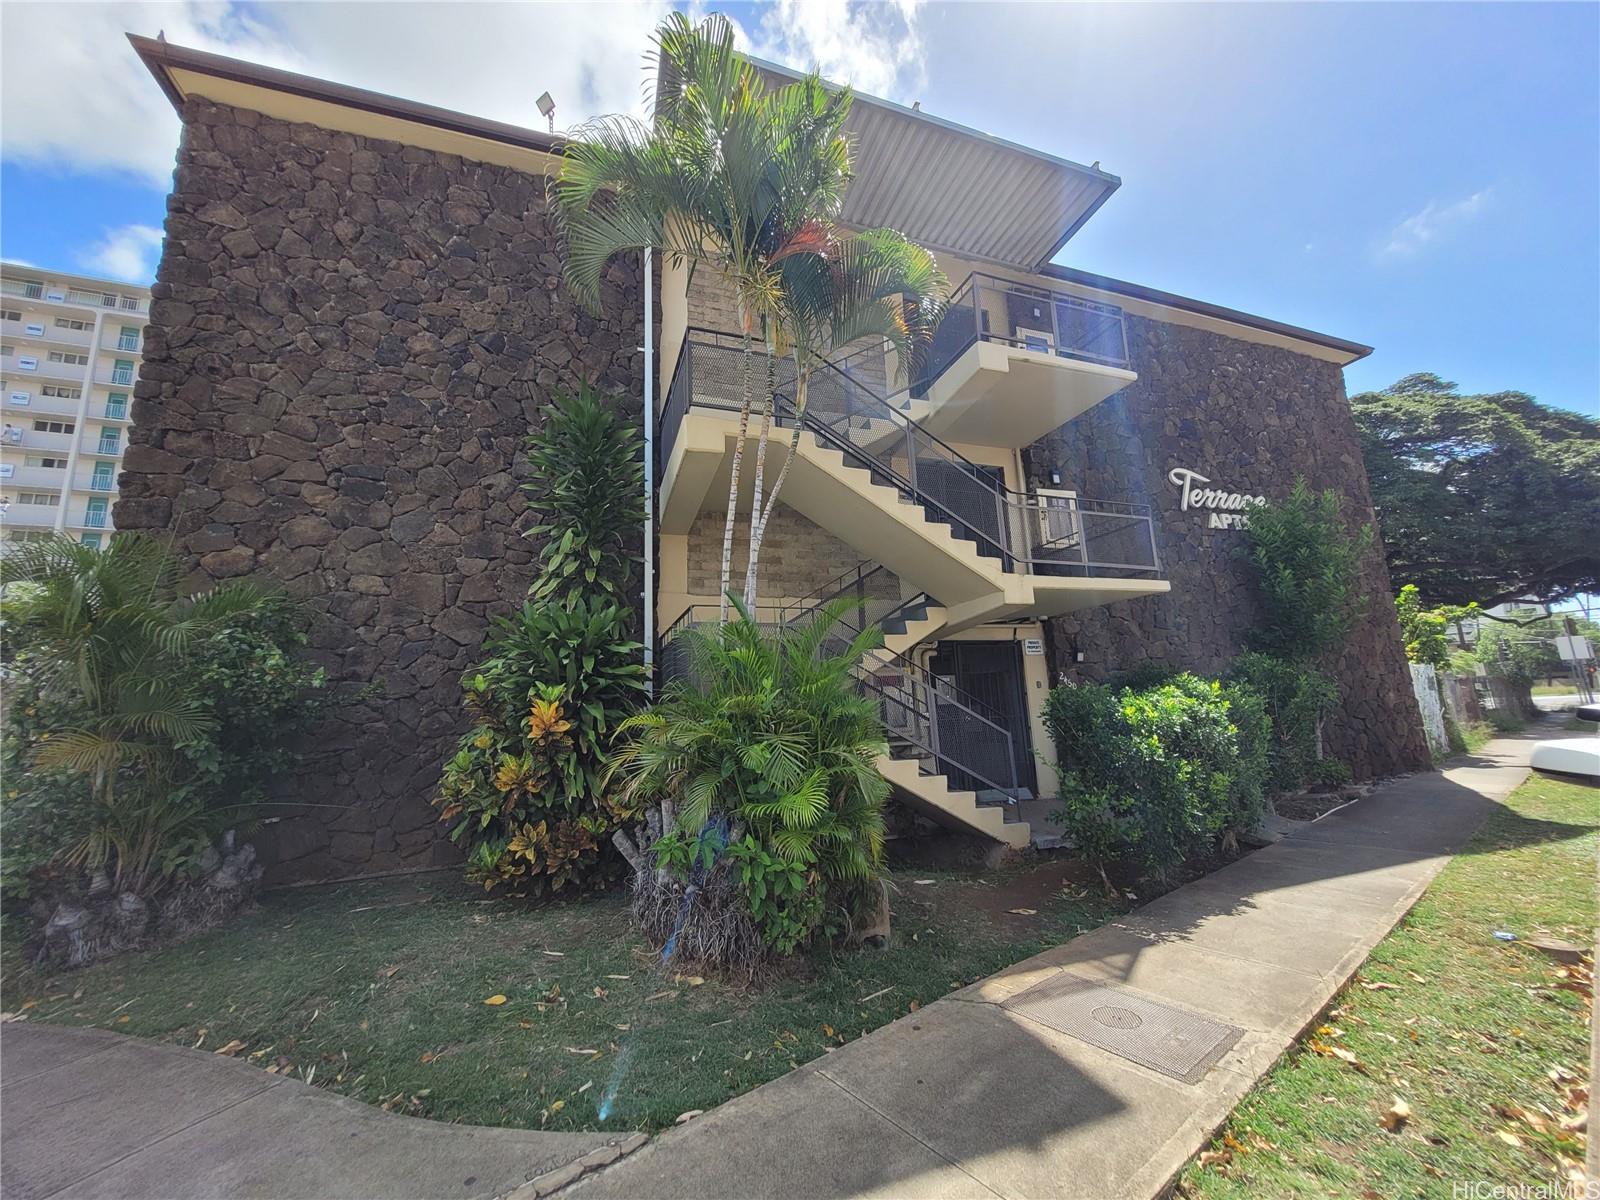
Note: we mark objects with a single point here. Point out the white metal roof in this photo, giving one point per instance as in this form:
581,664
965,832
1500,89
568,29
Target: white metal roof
957,189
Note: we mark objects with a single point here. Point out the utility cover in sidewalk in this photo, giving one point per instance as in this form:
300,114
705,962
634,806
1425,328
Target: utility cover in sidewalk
1128,1024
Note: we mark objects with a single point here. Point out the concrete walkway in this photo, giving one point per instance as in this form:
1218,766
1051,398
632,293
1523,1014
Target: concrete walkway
968,1098
964,1098
89,1113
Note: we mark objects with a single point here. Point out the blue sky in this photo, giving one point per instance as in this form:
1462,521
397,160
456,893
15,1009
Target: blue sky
1423,178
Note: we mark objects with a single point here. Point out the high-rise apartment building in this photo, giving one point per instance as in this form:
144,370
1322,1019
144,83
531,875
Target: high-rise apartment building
69,354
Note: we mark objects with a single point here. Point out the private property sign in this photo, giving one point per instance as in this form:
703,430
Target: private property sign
1224,509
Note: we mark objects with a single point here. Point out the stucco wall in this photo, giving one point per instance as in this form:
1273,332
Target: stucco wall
349,341
1252,418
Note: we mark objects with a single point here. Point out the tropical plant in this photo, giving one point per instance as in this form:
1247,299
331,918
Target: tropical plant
770,736
1307,569
524,792
145,721
588,486
869,286
1159,773
1483,498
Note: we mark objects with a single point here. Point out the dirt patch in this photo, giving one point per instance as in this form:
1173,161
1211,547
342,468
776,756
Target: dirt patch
1308,806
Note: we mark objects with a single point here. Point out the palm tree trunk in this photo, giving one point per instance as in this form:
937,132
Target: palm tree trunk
758,532
756,524
733,478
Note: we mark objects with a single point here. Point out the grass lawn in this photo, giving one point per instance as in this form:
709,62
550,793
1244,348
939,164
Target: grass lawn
1485,1041
377,990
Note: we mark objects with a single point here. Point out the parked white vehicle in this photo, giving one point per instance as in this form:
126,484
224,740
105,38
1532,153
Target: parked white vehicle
1571,756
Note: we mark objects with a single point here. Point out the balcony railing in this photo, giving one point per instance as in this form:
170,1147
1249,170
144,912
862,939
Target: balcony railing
116,410
102,483
18,287
109,446
124,342
990,309
96,518
926,717
121,376
1055,535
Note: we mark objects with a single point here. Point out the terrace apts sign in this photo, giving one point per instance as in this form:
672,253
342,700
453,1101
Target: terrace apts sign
1223,509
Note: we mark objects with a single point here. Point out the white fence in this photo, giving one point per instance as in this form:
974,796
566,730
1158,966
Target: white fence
1425,683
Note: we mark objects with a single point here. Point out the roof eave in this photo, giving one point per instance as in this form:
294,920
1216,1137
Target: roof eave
161,58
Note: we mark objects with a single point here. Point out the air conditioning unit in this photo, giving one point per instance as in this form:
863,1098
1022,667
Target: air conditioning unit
1060,522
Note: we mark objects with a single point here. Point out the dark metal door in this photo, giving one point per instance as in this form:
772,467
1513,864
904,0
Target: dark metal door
992,673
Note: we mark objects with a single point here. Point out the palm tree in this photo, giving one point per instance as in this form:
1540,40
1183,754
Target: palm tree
109,632
771,732
730,177
875,284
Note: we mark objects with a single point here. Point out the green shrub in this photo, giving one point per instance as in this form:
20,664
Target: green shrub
1307,569
141,722
1156,774
1296,697
524,793
774,739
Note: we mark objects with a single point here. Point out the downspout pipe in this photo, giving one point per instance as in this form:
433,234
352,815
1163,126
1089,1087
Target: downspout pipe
649,638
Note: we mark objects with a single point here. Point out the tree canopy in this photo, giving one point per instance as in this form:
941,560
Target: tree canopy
1482,498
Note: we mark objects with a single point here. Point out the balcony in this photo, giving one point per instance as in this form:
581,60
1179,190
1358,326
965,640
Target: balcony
38,479
95,518
26,289
901,496
124,342
30,516
115,410
109,447
1011,362
120,377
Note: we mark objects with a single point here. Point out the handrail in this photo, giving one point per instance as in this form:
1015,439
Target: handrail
1025,532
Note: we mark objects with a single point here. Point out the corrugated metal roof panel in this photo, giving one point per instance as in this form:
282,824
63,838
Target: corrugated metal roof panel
959,189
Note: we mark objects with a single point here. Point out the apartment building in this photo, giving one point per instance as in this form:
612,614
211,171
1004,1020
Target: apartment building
70,347
359,314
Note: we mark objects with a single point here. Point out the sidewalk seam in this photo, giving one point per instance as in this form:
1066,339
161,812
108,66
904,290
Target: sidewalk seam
937,1153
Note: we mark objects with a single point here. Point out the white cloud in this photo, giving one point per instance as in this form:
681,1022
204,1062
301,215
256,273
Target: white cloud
1433,222
128,253
75,96
873,45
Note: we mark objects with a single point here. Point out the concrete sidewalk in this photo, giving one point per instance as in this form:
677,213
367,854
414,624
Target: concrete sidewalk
91,1113
970,1098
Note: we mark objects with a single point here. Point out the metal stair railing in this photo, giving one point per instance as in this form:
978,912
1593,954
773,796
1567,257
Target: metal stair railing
1050,536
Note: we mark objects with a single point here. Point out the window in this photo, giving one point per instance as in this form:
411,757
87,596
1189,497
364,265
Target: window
110,437
55,427
10,314
62,391
117,406
104,477
131,304
94,516
73,323
7,350
91,540
69,358
28,535
129,338
122,372
49,462
43,499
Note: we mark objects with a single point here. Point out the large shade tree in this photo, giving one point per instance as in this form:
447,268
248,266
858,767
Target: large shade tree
1482,498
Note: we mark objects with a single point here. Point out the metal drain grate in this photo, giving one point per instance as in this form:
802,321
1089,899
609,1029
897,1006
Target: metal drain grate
1127,1024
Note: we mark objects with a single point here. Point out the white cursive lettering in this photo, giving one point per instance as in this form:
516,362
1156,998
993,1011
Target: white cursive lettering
1215,500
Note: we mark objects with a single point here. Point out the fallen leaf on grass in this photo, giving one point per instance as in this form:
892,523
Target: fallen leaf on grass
554,953
876,994
1509,1138
579,1050
1024,912
916,1004
388,972
691,980
619,976
495,1001
123,1020
1378,985
1338,1052
922,882
688,1116
1396,1116
230,1049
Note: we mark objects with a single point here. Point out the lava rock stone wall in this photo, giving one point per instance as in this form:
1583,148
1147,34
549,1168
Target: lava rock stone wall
1252,419
349,341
